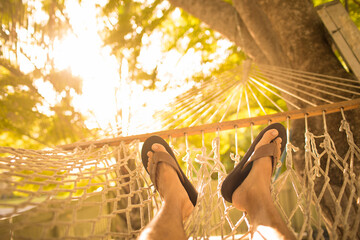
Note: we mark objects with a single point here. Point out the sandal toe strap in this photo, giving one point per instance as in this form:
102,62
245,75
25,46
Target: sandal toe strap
267,150
164,157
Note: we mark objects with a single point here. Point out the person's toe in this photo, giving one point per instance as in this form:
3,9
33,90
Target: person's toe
267,137
158,147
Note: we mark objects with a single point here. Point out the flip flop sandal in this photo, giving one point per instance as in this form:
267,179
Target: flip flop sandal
241,171
168,158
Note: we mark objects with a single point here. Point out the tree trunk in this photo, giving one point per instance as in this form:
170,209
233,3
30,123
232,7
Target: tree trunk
286,34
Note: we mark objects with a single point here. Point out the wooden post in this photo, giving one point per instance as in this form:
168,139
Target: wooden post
343,31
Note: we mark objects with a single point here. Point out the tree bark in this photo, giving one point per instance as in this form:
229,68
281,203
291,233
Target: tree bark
262,31
287,34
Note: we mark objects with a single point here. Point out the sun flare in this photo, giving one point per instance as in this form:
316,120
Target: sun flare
83,53
104,90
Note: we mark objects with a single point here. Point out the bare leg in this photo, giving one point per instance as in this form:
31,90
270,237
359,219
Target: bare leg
254,197
176,207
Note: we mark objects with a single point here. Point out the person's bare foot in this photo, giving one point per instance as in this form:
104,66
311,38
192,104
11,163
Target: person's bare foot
253,196
256,186
169,185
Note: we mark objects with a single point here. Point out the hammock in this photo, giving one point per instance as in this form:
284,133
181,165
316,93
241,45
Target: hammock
100,190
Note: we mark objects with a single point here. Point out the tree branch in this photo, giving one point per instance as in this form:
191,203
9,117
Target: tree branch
261,30
223,18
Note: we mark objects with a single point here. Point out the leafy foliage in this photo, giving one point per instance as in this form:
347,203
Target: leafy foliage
27,120
134,21
23,121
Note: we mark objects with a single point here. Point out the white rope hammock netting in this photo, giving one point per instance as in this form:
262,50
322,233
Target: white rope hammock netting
102,191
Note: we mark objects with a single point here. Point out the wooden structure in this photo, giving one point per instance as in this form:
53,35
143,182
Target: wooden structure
344,33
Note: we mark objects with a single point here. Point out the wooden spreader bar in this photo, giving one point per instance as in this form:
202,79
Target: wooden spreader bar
226,125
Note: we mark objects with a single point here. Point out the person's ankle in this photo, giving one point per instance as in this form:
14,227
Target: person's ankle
180,202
